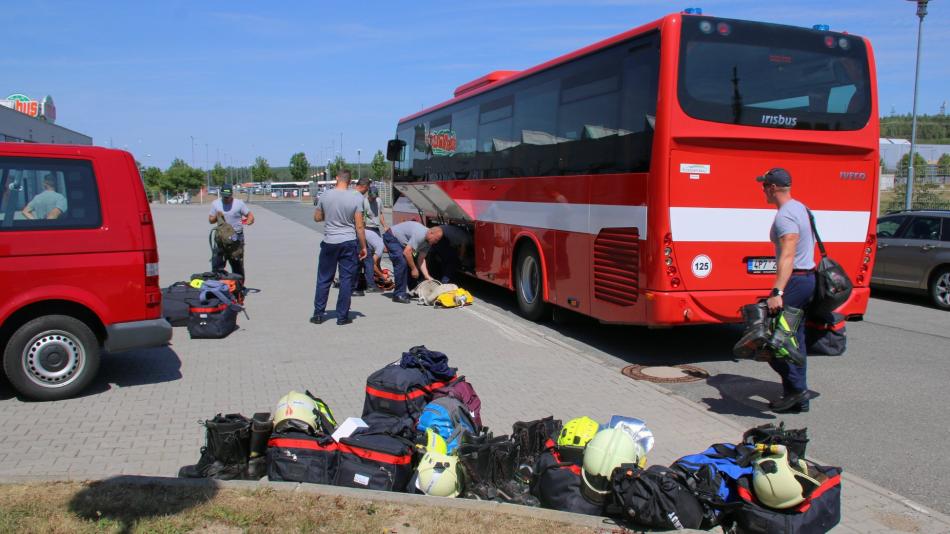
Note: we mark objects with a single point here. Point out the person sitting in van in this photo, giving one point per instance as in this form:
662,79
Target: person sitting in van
47,205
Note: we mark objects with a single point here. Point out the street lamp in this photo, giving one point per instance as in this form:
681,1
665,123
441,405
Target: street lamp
192,150
359,169
921,13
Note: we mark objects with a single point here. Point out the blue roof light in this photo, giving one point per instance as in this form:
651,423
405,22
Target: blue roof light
693,11
821,27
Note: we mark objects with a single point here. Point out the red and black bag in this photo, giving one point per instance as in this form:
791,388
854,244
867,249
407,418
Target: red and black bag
826,336
398,391
557,485
175,299
212,318
818,514
294,456
374,461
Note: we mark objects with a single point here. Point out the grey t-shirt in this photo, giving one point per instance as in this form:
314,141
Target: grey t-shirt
371,210
374,244
339,209
46,202
411,233
233,215
792,218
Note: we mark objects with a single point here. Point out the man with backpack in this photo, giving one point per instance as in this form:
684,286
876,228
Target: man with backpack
231,215
791,233
344,242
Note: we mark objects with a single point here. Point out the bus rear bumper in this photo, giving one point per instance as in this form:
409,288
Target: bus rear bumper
672,308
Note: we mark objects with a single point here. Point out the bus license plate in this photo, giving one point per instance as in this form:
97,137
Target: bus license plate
761,265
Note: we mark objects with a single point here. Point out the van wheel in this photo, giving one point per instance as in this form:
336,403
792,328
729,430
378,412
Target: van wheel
940,288
529,284
52,357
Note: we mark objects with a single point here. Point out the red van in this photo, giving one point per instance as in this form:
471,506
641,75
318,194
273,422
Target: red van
78,265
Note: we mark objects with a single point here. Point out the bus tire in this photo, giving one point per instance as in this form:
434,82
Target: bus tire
51,357
529,284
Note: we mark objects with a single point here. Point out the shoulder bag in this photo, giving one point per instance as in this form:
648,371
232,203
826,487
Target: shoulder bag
833,287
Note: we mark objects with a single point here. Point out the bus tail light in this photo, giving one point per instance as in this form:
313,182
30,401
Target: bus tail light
669,260
675,282
866,260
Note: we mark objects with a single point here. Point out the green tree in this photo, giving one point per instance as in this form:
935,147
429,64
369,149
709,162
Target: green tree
925,191
919,164
379,165
943,165
299,167
338,164
261,171
219,175
153,178
181,177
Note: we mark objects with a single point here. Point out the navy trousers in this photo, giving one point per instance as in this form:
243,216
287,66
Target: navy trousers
332,255
400,266
798,294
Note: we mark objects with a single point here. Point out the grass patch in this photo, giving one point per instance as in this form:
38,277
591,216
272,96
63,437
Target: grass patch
95,507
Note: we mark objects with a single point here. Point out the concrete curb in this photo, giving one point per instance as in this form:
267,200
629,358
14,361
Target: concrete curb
603,524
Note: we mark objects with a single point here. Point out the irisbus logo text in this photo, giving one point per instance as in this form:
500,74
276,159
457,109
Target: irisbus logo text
779,120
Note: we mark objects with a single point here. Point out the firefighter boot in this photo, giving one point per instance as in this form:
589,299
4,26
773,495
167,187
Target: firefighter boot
261,428
225,453
510,487
476,459
783,342
756,334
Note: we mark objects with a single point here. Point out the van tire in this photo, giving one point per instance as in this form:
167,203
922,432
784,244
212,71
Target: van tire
529,284
939,288
51,357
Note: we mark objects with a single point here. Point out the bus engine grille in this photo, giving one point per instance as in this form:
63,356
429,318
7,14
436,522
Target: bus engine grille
617,266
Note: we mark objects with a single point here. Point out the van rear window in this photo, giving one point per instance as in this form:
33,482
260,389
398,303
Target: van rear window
46,193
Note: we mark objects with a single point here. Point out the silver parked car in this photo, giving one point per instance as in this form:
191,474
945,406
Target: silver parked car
913,253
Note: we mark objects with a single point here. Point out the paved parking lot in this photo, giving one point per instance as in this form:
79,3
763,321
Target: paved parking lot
140,416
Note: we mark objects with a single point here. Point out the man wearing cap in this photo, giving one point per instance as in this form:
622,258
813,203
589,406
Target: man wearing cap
794,285
234,212
408,243
344,244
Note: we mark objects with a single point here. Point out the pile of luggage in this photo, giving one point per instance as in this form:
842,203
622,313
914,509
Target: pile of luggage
421,432
208,304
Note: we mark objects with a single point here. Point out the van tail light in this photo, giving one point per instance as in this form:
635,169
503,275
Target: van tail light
153,293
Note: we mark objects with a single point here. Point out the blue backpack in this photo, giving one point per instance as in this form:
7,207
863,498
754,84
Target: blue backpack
717,468
449,418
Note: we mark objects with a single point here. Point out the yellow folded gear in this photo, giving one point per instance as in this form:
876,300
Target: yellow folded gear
197,283
454,299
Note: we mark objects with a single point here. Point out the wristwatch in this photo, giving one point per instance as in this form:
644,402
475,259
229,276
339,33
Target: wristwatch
776,292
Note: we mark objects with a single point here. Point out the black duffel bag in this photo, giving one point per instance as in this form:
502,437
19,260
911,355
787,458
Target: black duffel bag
818,514
398,391
558,486
374,460
826,335
294,456
656,497
175,299
212,318
832,285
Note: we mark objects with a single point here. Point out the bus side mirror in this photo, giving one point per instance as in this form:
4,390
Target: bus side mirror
394,149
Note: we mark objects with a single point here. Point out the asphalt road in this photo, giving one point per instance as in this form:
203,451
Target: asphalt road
882,409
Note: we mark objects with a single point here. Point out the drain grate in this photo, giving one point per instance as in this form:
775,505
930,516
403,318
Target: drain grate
665,374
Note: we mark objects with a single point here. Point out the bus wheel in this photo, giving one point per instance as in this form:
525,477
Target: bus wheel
52,357
529,284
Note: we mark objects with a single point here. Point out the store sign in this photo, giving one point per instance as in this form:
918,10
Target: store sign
443,142
45,110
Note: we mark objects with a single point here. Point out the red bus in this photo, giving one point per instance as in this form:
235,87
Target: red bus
618,181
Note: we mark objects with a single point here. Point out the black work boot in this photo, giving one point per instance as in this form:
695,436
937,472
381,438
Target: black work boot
756,334
225,454
261,428
510,488
783,342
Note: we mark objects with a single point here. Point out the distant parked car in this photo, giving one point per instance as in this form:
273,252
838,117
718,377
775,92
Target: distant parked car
913,253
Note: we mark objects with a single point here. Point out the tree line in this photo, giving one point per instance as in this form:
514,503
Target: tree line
180,177
931,129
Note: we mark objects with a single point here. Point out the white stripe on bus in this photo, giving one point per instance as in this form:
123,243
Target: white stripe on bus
580,218
740,225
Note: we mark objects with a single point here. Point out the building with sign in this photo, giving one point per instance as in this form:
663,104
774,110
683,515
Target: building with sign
24,120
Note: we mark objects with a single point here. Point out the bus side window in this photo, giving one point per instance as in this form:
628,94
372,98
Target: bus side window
641,73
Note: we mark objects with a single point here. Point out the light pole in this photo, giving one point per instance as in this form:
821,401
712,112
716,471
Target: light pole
359,169
192,150
921,13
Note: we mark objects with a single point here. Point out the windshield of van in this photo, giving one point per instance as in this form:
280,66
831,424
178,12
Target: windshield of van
773,76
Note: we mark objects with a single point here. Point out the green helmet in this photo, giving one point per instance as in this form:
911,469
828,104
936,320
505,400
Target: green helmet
438,475
577,432
776,483
609,449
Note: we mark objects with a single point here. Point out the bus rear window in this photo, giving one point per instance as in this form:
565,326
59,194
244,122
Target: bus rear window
773,76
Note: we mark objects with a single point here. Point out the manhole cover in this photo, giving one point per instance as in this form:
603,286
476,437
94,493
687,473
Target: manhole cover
665,374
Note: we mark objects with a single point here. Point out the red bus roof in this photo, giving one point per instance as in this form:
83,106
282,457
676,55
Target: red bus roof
484,83
47,149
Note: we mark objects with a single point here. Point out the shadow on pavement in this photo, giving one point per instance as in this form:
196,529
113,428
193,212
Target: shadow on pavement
126,500
742,395
136,368
904,297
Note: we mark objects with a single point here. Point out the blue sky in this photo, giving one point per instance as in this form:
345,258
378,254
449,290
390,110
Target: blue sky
253,78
